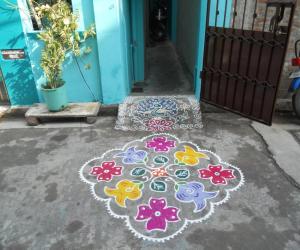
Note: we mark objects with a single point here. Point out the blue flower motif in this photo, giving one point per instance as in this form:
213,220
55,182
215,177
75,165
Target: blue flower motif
158,107
132,156
194,192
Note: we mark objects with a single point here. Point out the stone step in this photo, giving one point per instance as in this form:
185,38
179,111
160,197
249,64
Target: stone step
89,111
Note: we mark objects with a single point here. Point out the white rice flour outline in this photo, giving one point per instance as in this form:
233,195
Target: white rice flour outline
186,222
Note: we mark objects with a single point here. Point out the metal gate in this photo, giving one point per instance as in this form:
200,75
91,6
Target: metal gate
3,92
244,55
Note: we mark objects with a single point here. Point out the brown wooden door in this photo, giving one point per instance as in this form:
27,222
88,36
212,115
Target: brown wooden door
244,56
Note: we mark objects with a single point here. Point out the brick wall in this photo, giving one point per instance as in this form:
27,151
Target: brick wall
295,34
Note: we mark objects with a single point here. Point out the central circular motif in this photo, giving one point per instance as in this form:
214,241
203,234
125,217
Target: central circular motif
160,184
157,213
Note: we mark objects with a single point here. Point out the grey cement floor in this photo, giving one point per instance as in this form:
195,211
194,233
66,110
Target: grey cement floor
165,72
44,205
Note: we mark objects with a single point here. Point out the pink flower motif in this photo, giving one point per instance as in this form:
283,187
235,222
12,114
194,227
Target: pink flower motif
157,214
160,144
159,125
217,174
106,171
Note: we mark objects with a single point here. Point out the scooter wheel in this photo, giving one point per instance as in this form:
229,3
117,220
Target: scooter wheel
296,102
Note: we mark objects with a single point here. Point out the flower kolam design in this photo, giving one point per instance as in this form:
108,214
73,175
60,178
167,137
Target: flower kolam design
159,113
106,171
157,214
160,144
124,190
217,174
159,184
132,156
160,125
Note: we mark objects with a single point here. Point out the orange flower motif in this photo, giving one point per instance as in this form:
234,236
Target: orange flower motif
160,172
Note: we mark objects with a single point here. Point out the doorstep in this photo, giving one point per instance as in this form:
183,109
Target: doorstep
37,112
4,110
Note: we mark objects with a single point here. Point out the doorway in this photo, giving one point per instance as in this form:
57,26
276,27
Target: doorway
170,48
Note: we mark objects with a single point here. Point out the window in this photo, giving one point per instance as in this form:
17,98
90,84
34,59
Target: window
36,22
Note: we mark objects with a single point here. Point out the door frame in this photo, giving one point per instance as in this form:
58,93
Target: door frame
138,38
137,8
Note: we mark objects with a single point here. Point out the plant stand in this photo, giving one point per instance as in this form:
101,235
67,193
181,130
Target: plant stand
89,111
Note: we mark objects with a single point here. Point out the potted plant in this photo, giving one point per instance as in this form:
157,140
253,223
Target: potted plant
61,39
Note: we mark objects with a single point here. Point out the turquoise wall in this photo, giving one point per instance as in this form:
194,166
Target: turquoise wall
138,39
113,54
225,12
112,72
125,13
25,77
82,85
18,75
77,89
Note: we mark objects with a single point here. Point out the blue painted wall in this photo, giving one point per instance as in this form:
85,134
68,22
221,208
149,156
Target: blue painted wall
112,72
112,49
85,87
138,39
224,10
25,77
126,37
77,89
18,75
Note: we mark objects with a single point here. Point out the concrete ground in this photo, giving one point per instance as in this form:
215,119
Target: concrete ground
165,72
44,205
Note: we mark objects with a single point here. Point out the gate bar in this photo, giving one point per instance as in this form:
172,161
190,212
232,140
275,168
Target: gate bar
258,63
214,51
274,37
222,54
239,56
231,48
249,56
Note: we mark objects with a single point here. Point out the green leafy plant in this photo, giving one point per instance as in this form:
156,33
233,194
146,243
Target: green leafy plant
60,37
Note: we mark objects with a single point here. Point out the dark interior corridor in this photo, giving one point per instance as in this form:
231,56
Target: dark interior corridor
166,70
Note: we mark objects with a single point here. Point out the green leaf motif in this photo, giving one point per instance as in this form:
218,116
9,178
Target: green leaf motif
161,159
182,174
178,184
158,186
138,172
140,184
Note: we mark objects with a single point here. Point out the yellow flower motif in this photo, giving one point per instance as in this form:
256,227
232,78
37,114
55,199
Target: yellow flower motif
190,156
124,190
